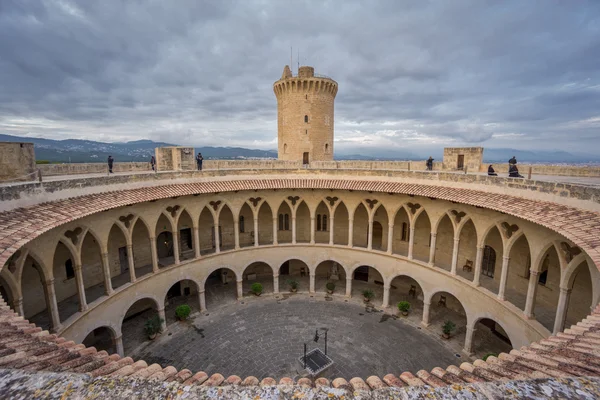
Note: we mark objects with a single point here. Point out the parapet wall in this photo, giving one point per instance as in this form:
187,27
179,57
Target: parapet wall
540,169
17,162
91,168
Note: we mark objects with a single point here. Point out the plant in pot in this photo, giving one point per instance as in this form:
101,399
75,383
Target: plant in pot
152,326
447,329
293,285
182,312
256,288
330,286
404,307
368,294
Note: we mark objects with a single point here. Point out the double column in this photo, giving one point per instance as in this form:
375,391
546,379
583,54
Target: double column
386,296
561,310
50,294
154,254
455,256
331,230
131,263
256,231
531,292
411,242
478,261
390,241
350,231
432,249
275,239
503,277
80,286
108,289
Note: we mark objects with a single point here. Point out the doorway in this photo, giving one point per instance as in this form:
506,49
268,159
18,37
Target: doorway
123,261
305,159
488,266
285,268
460,163
185,239
361,274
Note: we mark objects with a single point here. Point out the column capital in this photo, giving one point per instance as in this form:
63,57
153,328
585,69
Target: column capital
348,279
18,301
201,292
426,303
105,254
433,234
153,239
412,228
387,286
565,290
506,258
129,246
120,337
390,225
275,275
312,274
480,247
240,281
161,310
49,282
77,267
533,272
456,240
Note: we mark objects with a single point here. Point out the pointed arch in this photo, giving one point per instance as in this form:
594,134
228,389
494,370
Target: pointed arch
164,241
206,231
226,233
265,224
519,264
246,226
444,242
401,232
91,267
63,270
360,226
142,251
467,249
322,223
340,225
381,222
580,285
422,233
35,304
303,223
284,222
546,300
491,263
185,230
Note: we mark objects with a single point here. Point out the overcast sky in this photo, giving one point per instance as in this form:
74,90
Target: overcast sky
412,74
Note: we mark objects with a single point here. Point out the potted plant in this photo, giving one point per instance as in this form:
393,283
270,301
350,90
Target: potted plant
152,326
183,312
447,329
256,288
368,294
330,286
293,285
404,307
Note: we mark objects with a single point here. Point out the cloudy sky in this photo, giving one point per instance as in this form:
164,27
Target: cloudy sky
411,74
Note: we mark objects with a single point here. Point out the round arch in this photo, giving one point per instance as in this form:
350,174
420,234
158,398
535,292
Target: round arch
329,270
445,305
296,269
102,337
489,336
144,307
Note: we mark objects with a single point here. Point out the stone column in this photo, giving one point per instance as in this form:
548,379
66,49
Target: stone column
312,282
240,289
217,239
531,291
196,231
202,301
312,230
469,340
350,231
176,247
478,261
411,242
386,296
119,345
348,287
294,229
370,235
390,242
154,254
331,231
276,283
561,310
17,306
131,263
163,320
425,319
432,249
256,231
454,256
80,287
52,305
275,239
236,234
108,289
503,277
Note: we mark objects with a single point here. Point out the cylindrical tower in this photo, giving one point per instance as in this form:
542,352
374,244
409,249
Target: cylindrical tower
305,115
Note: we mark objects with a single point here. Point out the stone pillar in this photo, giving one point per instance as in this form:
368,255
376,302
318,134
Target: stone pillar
348,287
425,319
52,305
276,283
80,287
454,256
119,345
275,239
561,310
312,282
331,231
131,263
176,247
154,254
163,320
386,296
370,235
217,239
411,242
312,230
108,289
17,306
432,249
236,234
196,231
531,291
503,277
294,229
478,261
240,289
202,301
469,341
350,231
390,242
256,231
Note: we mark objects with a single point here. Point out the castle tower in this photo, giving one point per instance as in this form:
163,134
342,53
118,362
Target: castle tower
305,115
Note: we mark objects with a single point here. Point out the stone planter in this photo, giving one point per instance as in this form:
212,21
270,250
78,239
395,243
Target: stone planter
405,313
153,336
293,290
366,299
330,292
446,336
257,294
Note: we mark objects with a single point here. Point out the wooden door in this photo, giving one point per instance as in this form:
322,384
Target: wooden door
305,159
488,265
461,161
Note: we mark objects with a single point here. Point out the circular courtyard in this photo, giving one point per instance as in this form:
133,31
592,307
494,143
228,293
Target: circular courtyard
264,337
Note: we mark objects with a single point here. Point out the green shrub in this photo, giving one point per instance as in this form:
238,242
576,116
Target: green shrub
42,162
293,283
330,286
404,306
256,288
183,311
488,355
152,325
448,327
368,294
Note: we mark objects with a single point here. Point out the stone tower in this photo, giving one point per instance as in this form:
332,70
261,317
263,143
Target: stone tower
305,115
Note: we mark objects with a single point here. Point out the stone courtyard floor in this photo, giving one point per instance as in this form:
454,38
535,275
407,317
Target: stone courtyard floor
264,337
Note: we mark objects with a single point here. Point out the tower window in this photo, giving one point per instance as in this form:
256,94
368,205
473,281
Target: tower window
284,148
306,118
326,147
306,131
306,96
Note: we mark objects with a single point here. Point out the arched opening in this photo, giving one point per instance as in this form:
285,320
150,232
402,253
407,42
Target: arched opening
206,232
380,229
401,233
265,224
185,227
35,307
446,307
184,292
102,338
548,290
227,240
467,251
284,223
296,270
117,257
91,268
422,240
65,286
491,261
322,224
340,225
405,288
517,280
247,233
490,338
444,243
142,250
5,293
258,272
220,288
580,296
164,242
302,223
135,318
330,271
360,228
367,278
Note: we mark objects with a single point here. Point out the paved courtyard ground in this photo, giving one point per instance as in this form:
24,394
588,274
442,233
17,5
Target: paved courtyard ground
264,337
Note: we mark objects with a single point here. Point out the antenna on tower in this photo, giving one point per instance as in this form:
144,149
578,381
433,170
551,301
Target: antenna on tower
291,63
298,61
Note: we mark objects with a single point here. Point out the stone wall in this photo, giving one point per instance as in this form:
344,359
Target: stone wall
540,169
91,168
472,158
17,162
175,158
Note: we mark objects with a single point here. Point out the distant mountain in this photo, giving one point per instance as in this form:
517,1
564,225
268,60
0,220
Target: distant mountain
523,156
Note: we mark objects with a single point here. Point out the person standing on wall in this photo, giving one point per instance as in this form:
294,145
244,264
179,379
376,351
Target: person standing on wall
153,163
430,164
111,160
199,159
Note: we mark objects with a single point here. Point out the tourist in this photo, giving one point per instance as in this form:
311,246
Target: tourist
513,171
111,160
199,159
491,171
512,161
153,163
430,164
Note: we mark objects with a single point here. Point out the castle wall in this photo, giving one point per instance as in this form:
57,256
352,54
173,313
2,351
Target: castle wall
17,162
472,157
